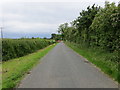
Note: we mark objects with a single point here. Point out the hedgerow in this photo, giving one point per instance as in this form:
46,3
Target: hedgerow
13,48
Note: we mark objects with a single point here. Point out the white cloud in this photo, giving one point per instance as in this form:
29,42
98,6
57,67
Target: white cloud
27,26
9,17
12,16
35,16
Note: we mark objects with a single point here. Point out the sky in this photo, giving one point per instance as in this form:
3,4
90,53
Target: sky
39,18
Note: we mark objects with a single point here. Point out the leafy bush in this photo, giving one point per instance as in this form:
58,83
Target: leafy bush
13,48
106,27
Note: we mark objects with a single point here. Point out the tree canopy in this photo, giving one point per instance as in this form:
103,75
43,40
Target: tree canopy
95,26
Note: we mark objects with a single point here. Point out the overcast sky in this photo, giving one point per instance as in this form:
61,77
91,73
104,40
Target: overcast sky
39,18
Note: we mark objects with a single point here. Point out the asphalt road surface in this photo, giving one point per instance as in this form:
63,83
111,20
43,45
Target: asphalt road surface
64,68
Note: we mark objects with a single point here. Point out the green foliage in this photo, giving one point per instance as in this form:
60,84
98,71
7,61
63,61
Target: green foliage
13,48
56,36
95,26
63,28
79,30
106,26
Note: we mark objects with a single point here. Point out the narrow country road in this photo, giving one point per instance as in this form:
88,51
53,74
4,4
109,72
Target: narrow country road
64,68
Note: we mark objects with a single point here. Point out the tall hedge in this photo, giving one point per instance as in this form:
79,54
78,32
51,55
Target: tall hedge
13,48
96,27
106,26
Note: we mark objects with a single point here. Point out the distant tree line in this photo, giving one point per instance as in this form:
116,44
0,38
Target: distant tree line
56,36
95,26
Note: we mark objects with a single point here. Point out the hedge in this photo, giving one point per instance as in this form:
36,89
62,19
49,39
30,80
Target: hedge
13,48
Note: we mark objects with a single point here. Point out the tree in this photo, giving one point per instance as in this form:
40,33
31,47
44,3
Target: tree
44,38
53,35
96,26
84,21
56,36
63,30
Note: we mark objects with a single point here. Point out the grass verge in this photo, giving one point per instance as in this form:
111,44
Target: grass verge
100,58
0,75
13,70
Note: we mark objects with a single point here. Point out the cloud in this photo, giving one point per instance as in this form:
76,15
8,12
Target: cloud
40,16
35,17
27,27
12,16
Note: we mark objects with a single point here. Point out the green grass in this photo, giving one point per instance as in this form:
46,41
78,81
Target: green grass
100,58
0,76
14,70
